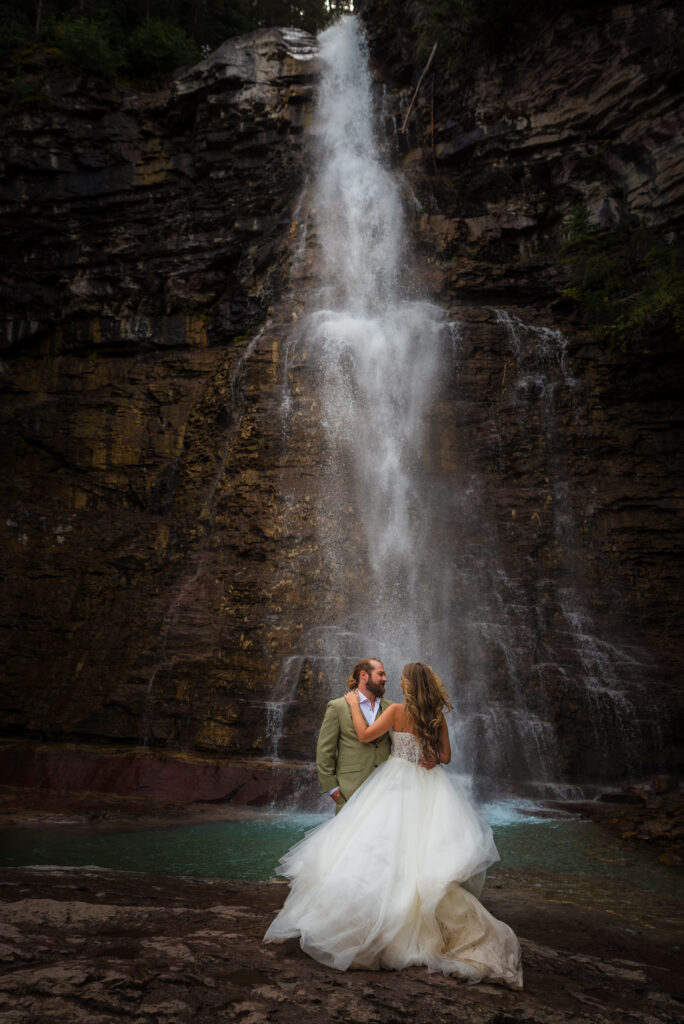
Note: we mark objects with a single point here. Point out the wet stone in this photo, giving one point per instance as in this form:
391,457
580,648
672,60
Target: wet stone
584,960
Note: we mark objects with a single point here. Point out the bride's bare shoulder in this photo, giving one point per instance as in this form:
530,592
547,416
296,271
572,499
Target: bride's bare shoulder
392,714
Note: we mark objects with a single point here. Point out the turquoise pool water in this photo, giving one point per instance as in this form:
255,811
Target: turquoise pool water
251,848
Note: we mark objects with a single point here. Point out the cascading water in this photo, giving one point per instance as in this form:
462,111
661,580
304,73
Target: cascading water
376,357
412,565
380,355
373,353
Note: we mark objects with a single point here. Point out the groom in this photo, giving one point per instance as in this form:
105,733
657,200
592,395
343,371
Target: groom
343,762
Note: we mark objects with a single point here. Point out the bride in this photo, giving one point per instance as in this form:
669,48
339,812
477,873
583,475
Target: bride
392,881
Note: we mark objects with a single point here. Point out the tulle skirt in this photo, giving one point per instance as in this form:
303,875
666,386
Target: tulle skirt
392,881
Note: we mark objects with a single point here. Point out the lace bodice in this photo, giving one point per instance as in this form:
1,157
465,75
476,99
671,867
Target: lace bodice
406,746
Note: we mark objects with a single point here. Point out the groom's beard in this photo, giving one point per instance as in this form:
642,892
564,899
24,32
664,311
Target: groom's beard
377,689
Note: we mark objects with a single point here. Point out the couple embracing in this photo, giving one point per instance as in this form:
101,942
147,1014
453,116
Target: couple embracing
392,881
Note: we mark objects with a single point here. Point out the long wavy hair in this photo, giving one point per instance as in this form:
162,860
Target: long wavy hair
365,665
426,704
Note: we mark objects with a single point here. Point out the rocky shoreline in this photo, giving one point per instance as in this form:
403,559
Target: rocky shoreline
143,778
650,814
89,946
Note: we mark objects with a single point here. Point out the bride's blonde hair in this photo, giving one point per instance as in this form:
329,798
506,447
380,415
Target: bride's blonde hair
426,703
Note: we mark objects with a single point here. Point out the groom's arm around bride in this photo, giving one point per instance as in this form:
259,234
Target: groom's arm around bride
343,763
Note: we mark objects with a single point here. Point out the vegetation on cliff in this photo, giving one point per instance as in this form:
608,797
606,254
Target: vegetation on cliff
131,38
464,28
628,281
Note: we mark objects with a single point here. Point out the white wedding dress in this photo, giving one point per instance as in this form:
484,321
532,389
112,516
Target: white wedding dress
392,881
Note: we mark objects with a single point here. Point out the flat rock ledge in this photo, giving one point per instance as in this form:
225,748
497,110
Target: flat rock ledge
99,946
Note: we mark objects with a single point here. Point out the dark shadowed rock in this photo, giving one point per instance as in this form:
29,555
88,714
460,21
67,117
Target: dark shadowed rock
155,776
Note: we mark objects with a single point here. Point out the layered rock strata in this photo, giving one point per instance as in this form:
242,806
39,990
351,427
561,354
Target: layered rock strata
148,240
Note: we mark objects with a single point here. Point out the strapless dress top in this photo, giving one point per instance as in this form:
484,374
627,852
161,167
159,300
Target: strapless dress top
406,746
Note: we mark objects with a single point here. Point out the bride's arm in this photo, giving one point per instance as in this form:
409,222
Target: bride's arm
367,733
444,744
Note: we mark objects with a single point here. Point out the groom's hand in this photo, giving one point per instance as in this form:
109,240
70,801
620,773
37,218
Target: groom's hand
336,795
428,762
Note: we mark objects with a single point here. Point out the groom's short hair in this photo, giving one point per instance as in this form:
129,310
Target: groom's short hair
365,665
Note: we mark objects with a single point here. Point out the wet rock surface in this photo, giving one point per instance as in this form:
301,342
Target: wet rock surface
92,946
68,772
573,450
651,814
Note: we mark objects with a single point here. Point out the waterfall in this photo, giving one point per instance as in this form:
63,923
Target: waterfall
372,352
408,564
376,352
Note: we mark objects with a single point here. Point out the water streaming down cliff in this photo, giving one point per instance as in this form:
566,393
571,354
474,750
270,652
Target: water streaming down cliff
413,560
406,581
375,354
530,657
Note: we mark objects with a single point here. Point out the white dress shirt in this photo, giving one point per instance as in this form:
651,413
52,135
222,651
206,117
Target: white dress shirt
368,712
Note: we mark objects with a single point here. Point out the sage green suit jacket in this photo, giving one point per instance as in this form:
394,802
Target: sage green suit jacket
341,759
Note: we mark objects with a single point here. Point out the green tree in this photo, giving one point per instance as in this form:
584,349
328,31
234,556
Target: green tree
86,45
628,281
146,37
158,47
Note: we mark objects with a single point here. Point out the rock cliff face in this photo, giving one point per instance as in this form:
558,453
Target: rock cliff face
574,109
161,546
148,239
